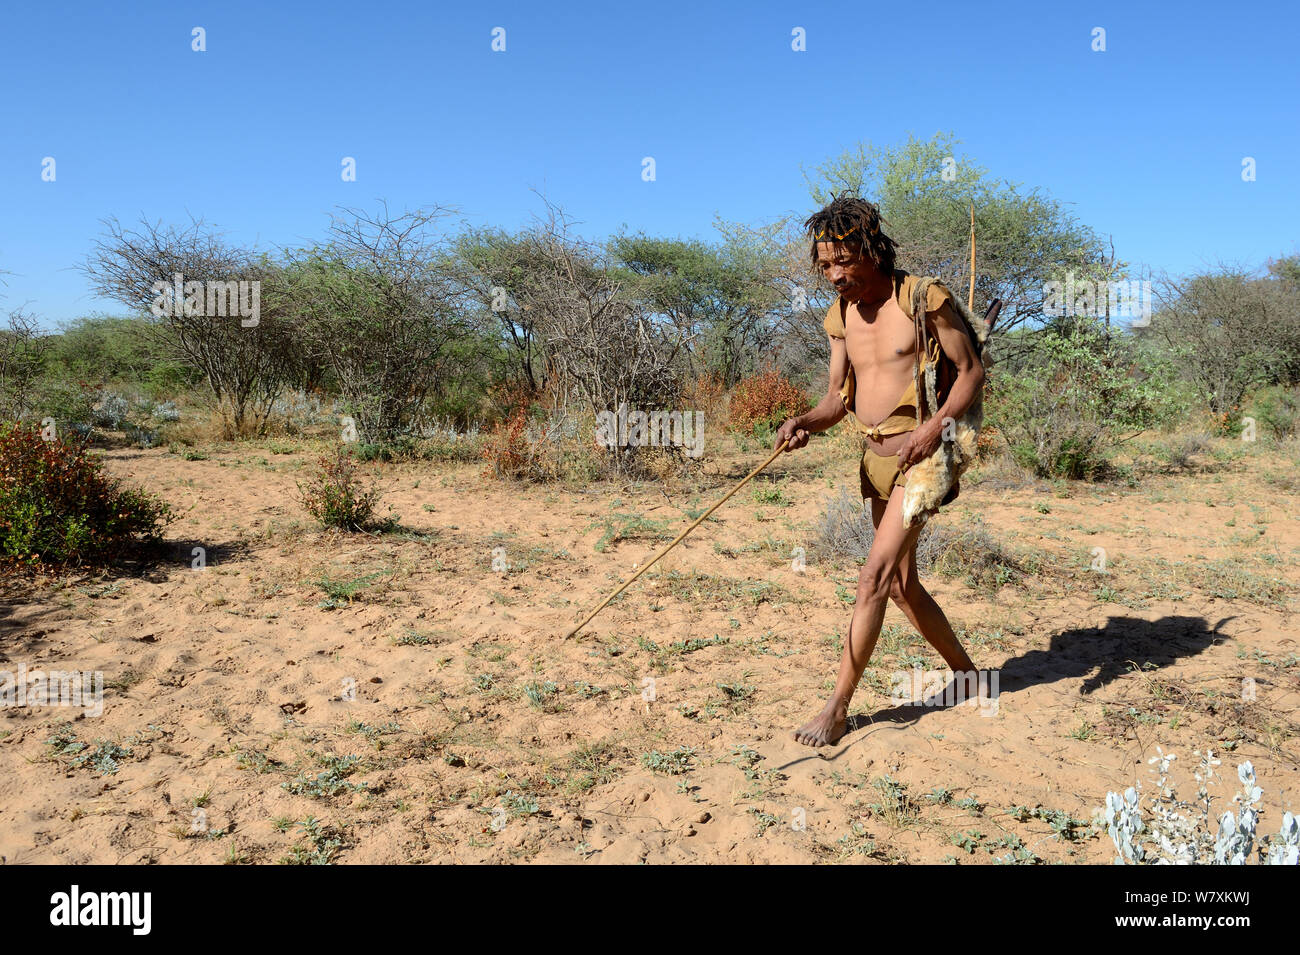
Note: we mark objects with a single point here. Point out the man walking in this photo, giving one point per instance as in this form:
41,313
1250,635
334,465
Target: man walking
874,349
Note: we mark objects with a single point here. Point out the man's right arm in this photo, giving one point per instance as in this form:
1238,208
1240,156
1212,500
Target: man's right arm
828,411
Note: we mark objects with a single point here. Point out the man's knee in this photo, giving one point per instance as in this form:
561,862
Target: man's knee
897,592
876,580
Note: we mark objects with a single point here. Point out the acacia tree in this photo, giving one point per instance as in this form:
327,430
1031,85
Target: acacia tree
777,255
924,189
23,350
495,270
376,305
600,345
244,364
1231,330
718,297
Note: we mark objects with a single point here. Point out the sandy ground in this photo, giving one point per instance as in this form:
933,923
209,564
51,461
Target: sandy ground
437,714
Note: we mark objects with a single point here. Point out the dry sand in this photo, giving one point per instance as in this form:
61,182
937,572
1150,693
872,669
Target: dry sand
230,682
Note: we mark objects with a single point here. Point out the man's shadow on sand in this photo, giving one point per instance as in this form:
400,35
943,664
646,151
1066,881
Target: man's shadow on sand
1102,654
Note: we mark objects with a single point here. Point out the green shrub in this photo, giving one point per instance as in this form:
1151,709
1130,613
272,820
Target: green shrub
396,449
1277,411
336,495
1077,394
68,401
448,447
58,507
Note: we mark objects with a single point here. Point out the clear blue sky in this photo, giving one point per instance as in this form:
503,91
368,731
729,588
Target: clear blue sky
1144,140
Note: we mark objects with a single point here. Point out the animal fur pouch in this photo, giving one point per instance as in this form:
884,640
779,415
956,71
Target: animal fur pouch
930,480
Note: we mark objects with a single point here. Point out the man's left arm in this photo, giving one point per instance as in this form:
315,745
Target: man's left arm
956,343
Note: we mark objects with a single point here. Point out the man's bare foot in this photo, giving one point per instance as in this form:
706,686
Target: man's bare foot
826,728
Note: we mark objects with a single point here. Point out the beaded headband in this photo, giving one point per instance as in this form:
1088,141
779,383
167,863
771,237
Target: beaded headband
822,236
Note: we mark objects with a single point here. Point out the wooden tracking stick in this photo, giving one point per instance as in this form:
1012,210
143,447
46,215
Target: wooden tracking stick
698,521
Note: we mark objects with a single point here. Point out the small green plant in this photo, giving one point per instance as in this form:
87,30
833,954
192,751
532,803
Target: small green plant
412,638
539,694
763,820
771,494
896,807
330,782
592,766
519,804
339,593
1062,823
621,527
256,762
337,496
697,643
737,692
372,733
395,450
322,844
968,840
674,763
101,758
856,842
970,804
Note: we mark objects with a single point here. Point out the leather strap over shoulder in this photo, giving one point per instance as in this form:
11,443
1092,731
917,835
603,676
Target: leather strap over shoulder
976,328
920,289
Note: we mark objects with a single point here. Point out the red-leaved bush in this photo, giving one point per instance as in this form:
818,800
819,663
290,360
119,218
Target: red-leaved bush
506,447
336,494
58,507
765,400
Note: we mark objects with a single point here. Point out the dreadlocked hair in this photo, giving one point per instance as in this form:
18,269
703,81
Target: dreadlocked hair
855,223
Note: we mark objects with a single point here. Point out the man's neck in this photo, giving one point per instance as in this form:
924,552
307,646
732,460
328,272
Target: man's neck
878,294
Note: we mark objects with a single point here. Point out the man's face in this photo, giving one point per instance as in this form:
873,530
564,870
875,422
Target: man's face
846,268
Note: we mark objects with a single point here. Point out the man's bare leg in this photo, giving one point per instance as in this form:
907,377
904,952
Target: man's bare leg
921,609
892,542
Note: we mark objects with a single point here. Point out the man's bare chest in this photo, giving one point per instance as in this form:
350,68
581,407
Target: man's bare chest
879,340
